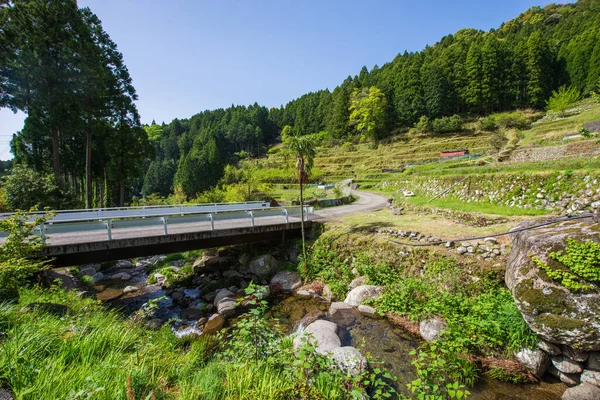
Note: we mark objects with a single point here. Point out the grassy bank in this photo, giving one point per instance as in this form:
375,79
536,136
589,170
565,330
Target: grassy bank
90,352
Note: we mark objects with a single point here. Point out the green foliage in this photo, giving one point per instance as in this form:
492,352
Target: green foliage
498,140
580,263
325,264
25,188
506,120
21,244
368,112
424,124
441,369
563,98
447,124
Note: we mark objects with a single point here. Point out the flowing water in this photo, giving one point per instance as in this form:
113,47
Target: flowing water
385,342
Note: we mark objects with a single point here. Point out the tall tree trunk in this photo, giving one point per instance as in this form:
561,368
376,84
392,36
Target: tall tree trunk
300,176
88,163
121,193
55,153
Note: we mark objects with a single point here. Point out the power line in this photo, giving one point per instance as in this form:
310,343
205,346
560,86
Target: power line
583,216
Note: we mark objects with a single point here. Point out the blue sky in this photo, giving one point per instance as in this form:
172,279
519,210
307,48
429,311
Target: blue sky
186,56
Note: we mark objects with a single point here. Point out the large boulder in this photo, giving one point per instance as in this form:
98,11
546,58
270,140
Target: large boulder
221,294
349,360
285,282
227,306
555,313
214,324
322,334
264,266
361,293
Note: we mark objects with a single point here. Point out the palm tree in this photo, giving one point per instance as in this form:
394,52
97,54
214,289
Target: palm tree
304,149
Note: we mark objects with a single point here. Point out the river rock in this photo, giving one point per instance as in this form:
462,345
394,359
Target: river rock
214,324
154,324
431,329
124,276
191,313
549,348
566,365
361,280
577,355
305,293
285,282
5,394
130,289
591,377
554,312
327,293
349,360
264,266
88,271
361,293
227,306
593,361
322,334
124,264
337,306
585,391
568,379
211,263
97,277
534,359
109,294
368,312
221,294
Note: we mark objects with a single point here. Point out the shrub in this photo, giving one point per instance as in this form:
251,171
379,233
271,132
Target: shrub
424,124
348,147
506,120
562,99
489,123
498,140
26,188
447,124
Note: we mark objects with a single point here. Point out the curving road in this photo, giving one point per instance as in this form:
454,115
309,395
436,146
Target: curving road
366,202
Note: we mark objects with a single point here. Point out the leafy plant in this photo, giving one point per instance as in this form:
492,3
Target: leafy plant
563,98
447,124
580,264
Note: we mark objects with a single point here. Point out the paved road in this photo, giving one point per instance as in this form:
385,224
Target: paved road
366,202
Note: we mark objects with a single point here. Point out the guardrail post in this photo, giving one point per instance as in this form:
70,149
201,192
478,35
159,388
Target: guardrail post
109,229
164,221
251,217
287,217
42,235
212,222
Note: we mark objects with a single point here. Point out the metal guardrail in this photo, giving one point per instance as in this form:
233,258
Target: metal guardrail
150,211
137,221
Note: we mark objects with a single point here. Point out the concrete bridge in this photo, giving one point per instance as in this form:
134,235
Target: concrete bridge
84,236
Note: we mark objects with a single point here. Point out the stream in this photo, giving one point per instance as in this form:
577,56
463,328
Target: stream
385,342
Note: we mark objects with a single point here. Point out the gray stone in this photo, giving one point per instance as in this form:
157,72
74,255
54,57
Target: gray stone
191,313
562,316
264,266
305,293
89,271
461,250
5,394
155,324
431,329
568,379
591,377
585,391
226,306
566,365
211,263
285,282
130,289
549,348
232,273
214,324
97,277
361,293
322,334
337,306
124,276
577,355
327,293
349,360
221,294
361,280
490,240
124,264
534,359
593,361
368,312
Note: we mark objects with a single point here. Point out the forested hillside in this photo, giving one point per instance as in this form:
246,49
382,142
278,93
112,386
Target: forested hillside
470,72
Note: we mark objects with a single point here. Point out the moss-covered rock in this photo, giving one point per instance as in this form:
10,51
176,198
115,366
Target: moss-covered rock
555,313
